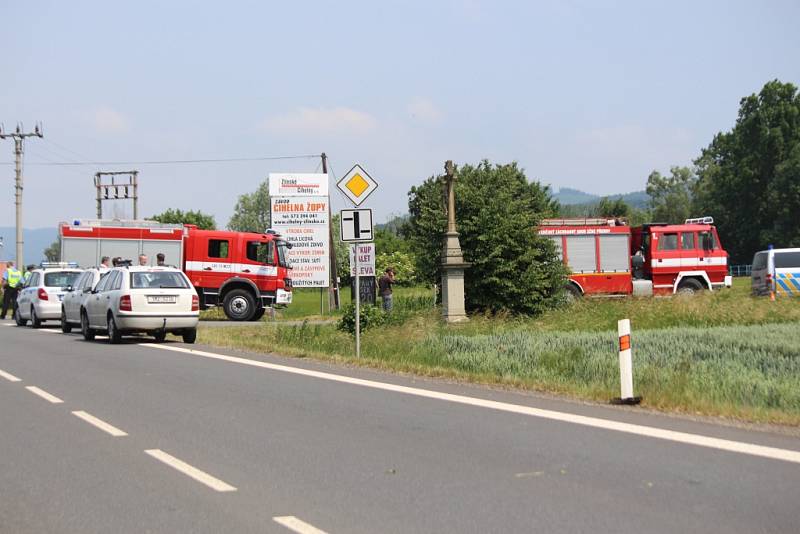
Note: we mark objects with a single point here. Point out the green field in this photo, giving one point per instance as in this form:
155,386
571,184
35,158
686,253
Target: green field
723,353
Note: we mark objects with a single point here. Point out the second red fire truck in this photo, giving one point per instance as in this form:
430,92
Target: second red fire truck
241,271
608,257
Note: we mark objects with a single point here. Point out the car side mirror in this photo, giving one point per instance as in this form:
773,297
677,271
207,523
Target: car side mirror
68,288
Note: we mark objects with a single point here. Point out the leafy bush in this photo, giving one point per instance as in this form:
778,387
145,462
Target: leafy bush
371,316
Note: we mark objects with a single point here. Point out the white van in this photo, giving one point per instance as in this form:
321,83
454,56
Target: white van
777,270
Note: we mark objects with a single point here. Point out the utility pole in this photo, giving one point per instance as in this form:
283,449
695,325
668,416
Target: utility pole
19,138
334,273
117,190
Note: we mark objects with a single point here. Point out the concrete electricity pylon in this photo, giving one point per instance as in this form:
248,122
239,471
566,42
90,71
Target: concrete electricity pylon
19,138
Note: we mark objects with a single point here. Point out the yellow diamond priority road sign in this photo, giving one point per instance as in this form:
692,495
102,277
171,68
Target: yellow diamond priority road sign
357,185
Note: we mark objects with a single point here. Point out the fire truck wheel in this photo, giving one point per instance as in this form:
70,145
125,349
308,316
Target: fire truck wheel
239,305
572,293
690,287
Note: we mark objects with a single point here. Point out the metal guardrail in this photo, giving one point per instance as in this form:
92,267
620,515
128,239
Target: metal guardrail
739,270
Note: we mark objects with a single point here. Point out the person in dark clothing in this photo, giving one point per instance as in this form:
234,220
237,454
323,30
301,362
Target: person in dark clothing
385,288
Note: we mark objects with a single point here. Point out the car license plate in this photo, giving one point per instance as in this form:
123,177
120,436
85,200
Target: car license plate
162,299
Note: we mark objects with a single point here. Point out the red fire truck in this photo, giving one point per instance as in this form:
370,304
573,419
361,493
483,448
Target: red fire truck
608,257
243,272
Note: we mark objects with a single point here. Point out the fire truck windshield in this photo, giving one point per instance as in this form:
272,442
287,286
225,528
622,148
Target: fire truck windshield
283,259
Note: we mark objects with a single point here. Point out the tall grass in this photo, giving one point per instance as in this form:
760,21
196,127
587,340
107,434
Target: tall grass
722,353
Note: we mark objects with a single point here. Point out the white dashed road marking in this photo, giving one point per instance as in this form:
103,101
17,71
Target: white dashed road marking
102,425
296,525
43,394
9,376
751,449
188,470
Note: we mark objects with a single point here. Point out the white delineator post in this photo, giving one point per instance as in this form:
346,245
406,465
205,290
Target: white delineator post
625,364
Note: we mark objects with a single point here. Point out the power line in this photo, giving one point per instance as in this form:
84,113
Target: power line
161,162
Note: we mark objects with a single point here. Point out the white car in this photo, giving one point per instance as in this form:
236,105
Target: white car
40,298
76,296
153,300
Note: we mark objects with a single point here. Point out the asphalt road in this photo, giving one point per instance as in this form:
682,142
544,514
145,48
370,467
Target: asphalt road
216,444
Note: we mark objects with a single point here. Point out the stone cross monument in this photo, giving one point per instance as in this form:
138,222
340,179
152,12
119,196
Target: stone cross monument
453,263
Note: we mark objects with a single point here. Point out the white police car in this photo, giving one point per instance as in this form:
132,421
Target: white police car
40,298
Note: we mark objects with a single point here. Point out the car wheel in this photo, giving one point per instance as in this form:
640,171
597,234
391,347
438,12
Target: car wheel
259,313
114,335
160,335
88,333
65,326
690,287
18,318
35,321
190,335
239,305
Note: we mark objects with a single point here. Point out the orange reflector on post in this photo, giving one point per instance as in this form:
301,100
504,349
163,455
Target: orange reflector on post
625,342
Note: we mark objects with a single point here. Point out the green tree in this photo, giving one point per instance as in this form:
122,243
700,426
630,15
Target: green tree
202,220
401,262
252,211
53,252
671,197
749,177
497,213
613,208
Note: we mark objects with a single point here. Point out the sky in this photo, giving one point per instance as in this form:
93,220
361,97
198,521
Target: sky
589,95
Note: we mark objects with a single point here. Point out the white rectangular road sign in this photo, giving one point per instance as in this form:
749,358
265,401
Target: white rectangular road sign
298,185
356,225
357,185
303,222
366,259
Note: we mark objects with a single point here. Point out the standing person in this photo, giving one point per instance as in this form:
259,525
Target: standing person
143,260
385,288
12,280
105,263
160,259
28,273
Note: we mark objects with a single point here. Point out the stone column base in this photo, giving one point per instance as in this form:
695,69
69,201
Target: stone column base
453,293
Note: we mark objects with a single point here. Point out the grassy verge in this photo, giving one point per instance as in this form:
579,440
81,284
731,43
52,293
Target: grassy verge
306,304
723,353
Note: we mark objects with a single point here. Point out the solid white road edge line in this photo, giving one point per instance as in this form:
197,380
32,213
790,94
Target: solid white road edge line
188,470
43,394
296,525
751,449
9,376
102,425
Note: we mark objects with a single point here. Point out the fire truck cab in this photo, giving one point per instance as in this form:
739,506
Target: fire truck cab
607,257
678,258
243,272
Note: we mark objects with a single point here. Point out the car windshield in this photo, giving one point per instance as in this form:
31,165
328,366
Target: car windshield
158,279
60,278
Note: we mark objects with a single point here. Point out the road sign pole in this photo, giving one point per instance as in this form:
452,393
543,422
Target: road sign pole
358,307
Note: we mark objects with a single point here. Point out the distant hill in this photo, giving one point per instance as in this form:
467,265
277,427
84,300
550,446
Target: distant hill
36,240
571,197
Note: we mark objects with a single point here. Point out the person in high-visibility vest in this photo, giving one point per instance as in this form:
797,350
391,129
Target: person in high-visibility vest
12,281
28,273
